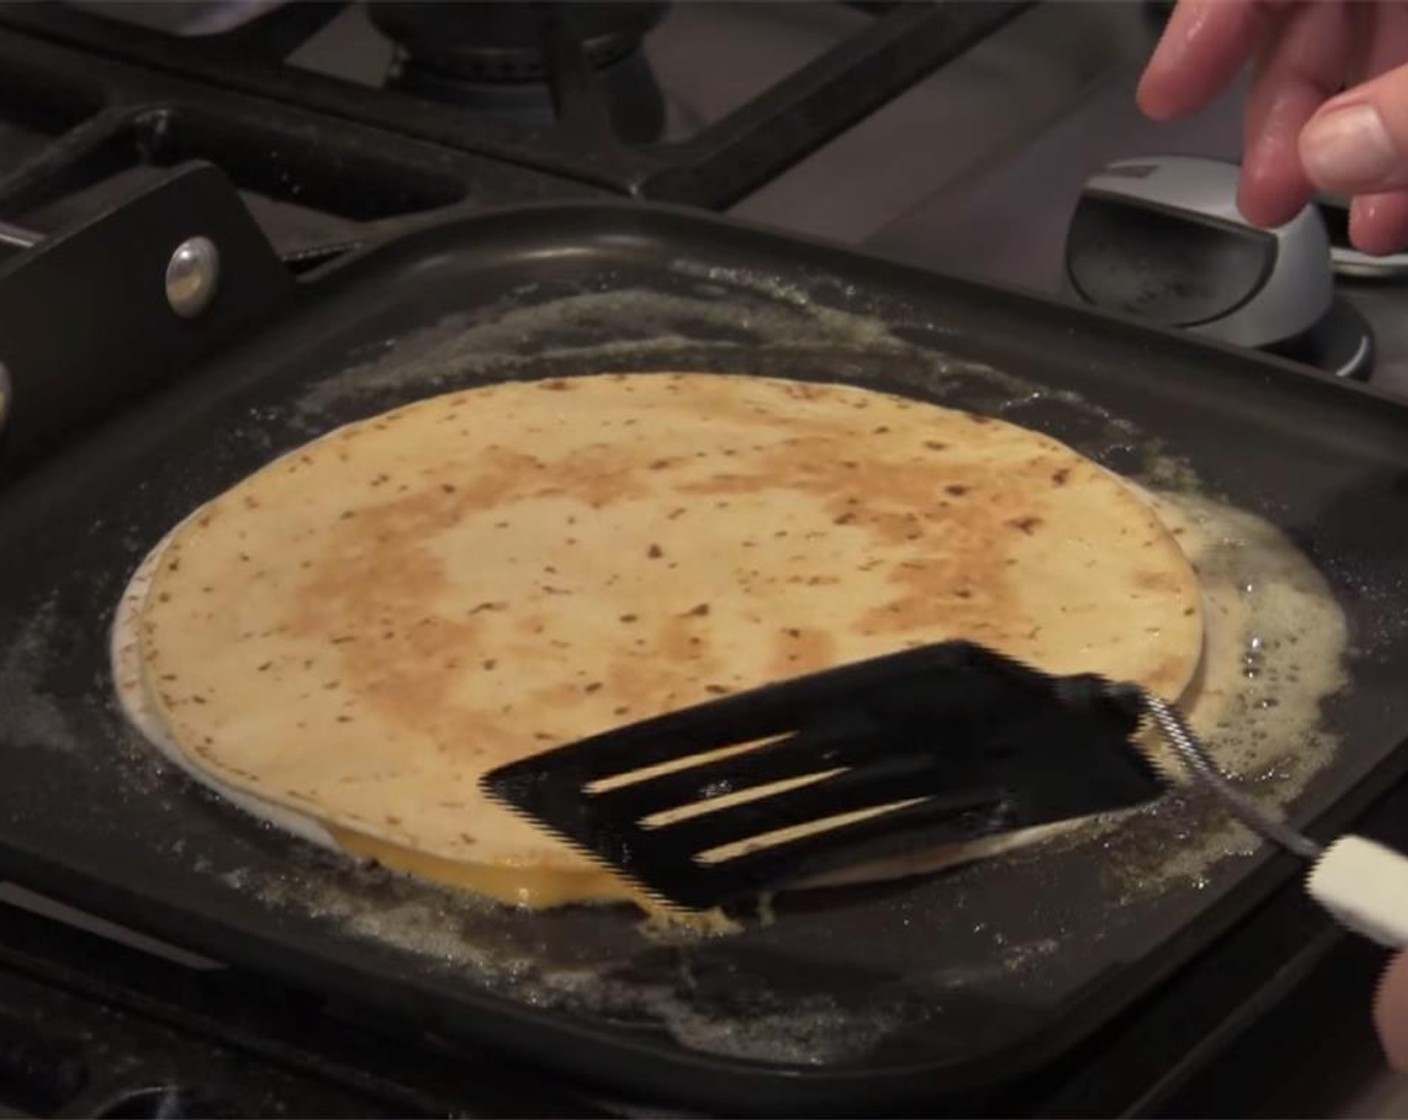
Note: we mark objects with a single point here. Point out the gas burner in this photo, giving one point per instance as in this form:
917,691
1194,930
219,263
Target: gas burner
497,58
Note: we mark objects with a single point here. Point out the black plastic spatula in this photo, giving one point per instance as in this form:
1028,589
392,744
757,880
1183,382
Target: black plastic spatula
943,744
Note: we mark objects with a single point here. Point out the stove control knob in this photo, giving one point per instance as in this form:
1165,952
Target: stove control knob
1161,238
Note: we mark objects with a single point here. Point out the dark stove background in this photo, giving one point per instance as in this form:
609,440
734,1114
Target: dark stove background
89,1027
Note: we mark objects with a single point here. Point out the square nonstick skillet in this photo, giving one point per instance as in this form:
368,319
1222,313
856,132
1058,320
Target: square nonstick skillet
868,999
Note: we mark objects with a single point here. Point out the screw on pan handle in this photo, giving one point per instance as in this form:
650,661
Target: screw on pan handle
192,276
192,273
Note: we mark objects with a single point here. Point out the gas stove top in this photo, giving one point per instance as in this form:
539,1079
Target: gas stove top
955,136
632,99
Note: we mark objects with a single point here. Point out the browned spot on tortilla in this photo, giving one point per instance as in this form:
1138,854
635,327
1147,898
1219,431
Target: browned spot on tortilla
1158,581
797,651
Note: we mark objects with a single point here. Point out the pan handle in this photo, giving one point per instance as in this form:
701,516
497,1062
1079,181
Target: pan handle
96,316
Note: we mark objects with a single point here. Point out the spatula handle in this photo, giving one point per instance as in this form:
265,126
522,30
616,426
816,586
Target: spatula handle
1365,886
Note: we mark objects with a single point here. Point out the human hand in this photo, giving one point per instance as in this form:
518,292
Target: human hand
1300,132
1391,1012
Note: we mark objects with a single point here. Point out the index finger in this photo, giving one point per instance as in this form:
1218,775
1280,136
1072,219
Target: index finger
1201,50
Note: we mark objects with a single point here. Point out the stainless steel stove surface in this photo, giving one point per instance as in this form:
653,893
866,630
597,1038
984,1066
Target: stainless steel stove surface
974,169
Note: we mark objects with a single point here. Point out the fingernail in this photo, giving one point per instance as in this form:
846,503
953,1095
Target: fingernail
1350,150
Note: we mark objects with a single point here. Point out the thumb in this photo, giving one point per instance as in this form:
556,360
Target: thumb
1357,143
1391,1012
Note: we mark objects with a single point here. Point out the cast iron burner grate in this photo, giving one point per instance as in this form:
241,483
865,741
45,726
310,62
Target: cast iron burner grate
603,110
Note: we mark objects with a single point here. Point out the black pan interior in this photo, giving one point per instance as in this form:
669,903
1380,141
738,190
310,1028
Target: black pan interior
867,998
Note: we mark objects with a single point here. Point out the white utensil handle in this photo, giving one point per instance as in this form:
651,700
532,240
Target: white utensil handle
1365,886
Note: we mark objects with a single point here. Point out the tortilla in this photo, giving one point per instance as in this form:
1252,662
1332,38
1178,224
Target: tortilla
359,630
